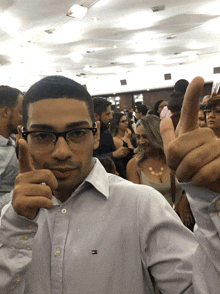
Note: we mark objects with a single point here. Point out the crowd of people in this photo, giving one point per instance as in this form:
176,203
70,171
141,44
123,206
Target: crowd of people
96,201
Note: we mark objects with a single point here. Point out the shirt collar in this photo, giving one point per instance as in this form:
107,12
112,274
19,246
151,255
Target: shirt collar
6,142
98,177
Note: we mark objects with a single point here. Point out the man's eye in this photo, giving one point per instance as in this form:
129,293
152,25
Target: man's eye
77,133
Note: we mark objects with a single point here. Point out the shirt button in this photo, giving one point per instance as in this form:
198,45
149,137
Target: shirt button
64,210
217,203
57,252
17,280
25,237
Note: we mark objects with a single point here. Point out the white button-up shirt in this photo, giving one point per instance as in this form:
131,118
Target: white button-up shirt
111,236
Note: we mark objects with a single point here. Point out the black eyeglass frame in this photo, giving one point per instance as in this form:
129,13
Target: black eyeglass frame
58,134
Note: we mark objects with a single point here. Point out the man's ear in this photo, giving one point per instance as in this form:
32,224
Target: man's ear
97,117
97,136
6,111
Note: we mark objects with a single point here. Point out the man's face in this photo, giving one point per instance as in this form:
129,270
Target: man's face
138,114
213,118
16,116
70,165
106,116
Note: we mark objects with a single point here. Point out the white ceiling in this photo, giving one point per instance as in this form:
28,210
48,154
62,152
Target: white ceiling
114,37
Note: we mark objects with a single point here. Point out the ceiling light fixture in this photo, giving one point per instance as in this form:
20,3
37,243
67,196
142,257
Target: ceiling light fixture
79,11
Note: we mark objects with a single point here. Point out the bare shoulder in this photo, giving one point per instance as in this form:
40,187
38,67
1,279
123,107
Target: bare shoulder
133,171
132,163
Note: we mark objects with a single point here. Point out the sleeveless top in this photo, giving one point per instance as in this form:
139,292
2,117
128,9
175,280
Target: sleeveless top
164,188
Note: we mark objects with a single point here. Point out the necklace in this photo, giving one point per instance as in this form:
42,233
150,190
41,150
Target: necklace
152,172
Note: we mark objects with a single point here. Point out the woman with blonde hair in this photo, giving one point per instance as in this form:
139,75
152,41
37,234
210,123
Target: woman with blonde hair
149,166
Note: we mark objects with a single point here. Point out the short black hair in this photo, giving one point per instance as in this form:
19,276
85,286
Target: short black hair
212,102
176,102
142,108
100,104
9,96
181,86
55,87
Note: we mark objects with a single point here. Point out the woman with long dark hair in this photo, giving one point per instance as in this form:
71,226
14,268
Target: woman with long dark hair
122,137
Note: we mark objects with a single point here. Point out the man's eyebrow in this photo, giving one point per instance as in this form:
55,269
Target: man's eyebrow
51,128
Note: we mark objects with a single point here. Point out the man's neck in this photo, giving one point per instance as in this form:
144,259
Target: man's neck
103,127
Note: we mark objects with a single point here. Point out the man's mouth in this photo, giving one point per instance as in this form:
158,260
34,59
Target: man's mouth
62,173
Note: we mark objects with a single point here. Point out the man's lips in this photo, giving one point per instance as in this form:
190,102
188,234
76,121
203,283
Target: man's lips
63,172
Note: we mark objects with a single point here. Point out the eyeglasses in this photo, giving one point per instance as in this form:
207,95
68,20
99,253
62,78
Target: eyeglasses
45,140
215,111
124,121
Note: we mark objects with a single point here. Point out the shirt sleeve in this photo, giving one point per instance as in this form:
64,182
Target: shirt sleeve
167,246
5,199
16,241
205,205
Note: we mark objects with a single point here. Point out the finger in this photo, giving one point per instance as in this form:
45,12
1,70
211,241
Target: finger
29,206
196,159
167,133
189,113
178,149
31,190
38,177
25,160
208,176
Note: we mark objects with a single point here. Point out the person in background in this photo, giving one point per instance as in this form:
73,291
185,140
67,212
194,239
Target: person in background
175,105
140,111
103,113
212,114
158,107
10,118
122,137
181,86
206,99
149,166
201,119
131,127
109,165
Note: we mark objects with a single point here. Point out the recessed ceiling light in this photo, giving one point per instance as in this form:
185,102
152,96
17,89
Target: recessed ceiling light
77,11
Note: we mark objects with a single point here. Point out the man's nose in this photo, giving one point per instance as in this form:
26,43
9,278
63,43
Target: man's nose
61,150
212,113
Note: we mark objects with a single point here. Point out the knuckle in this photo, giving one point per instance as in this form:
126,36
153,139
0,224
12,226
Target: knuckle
47,190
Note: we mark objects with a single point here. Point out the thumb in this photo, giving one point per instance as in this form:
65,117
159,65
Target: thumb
25,160
167,133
